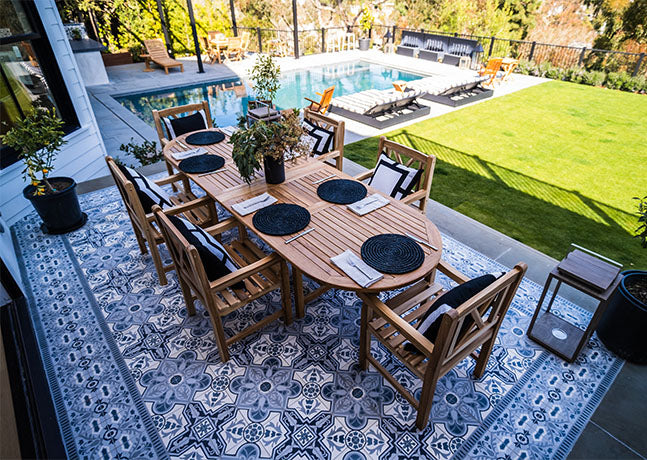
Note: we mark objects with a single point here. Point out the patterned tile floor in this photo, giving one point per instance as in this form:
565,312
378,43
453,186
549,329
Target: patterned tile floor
132,376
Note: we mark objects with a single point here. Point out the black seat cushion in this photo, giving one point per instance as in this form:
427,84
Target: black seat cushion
182,125
149,192
319,139
217,262
429,324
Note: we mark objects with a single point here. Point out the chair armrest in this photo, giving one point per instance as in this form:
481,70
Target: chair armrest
451,272
310,100
326,156
411,333
188,206
318,94
222,227
170,179
242,273
419,195
365,174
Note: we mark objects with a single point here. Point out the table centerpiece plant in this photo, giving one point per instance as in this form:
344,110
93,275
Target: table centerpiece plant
38,138
271,143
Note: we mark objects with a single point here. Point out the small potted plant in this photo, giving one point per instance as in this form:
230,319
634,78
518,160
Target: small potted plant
75,33
146,152
264,75
270,143
365,26
623,324
38,138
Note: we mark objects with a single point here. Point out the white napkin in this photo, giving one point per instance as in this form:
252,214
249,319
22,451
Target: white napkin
368,204
356,268
254,204
188,153
228,130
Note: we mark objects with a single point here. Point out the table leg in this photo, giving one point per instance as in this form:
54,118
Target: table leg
539,304
298,291
552,299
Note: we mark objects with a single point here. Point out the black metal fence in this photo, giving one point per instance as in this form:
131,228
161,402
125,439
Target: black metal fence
312,41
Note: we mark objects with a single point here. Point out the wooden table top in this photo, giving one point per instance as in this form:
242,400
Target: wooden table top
336,227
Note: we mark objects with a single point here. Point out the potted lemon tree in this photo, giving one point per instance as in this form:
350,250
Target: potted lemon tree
38,138
365,25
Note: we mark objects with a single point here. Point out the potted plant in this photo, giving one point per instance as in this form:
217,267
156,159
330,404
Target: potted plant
75,33
622,327
264,75
146,152
365,26
38,138
270,143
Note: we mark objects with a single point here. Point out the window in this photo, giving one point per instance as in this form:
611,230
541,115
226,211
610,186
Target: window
29,74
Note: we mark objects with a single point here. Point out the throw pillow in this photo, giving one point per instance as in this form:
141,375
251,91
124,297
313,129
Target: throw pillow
319,139
178,126
393,178
149,192
217,262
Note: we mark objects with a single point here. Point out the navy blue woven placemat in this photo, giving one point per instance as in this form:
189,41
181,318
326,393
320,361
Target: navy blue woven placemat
392,253
205,138
281,219
201,164
341,191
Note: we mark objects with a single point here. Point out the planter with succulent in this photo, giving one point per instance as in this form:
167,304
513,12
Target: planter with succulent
622,327
38,138
146,152
365,26
269,144
76,34
264,76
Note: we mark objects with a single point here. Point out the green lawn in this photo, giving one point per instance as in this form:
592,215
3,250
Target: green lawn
549,165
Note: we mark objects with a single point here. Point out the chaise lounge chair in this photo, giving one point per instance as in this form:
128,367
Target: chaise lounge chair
157,53
380,109
324,104
452,90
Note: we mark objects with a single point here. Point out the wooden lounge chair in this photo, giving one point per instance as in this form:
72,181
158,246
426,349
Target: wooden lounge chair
464,329
260,274
410,158
158,54
324,103
201,211
491,70
330,124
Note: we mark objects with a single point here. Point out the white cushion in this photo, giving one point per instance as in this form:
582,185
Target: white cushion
148,191
393,178
319,139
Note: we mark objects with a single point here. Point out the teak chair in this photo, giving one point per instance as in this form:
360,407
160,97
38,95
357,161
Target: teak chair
414,159
159,55
212,52
260,273
323,105
338,127
392,323
174,112
491,70
201,211
234,48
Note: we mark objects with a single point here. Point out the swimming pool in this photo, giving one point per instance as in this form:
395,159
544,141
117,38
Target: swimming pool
228,98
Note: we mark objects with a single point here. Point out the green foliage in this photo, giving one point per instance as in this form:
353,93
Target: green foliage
553,72
76,33
265,75
279,140
146,152
641,231
522,15
573,74
593,78
37,137
366,21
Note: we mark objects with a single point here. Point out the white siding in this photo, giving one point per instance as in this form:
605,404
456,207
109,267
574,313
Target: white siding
82,157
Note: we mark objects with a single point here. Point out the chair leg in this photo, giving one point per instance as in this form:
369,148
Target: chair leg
216,321
169,168
140,240
188,297
364,338
426,399
285,293
159,266
484,357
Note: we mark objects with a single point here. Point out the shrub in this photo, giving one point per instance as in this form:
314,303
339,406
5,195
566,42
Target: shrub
525,67
615,80
593,78
574,74
543,69
554,73
146,153
635,84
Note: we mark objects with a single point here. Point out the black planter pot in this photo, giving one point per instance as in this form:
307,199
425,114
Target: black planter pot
364,44
274,170
623,325
60,211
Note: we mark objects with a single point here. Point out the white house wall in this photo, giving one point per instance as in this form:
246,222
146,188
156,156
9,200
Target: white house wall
82,157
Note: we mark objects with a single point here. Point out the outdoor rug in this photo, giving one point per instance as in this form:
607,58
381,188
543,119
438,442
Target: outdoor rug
132,376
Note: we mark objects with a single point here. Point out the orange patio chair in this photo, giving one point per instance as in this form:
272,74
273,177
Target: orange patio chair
491,70
323,105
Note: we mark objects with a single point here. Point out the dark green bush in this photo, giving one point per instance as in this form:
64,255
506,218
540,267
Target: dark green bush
616,80
554,73
593,78
573,74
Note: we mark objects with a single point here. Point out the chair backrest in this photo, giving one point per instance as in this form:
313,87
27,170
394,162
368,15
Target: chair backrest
493,66
245,40
337,126
411,158
326,98
234,43
186,259
205,43
129,196
485,311
173,112
156,48
216,35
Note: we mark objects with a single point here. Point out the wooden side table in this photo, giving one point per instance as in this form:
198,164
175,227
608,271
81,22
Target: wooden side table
589,274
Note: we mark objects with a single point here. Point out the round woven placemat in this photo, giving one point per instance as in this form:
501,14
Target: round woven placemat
201,164
392,253
205,138
341,191
281,219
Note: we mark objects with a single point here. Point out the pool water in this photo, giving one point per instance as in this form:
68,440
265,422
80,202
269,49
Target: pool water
228,98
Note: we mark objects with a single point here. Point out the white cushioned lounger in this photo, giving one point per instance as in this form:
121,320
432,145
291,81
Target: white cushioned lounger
364,101
441,85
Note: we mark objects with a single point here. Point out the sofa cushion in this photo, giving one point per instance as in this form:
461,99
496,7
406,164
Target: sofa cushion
182,125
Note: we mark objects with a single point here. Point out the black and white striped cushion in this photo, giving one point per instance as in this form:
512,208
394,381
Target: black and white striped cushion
217,262
149,192
182,125
393,178
319,139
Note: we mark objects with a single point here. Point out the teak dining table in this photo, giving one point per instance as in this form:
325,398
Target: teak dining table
336,228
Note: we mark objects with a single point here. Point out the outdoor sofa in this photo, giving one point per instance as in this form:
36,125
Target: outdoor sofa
432,47
380,108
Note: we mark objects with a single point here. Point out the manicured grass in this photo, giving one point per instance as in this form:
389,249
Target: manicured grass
549,165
